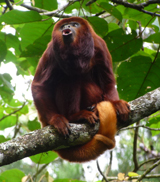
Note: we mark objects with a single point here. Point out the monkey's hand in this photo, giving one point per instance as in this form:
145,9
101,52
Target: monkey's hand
122,109
90,115
61,124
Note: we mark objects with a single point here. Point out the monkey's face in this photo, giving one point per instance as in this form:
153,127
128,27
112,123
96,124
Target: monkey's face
69,31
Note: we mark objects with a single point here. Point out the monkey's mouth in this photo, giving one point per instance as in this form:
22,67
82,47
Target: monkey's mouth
66,32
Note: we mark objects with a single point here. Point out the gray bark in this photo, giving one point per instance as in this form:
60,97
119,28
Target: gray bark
47,138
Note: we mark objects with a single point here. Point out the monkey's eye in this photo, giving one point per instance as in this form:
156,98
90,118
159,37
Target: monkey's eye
62,27
74,24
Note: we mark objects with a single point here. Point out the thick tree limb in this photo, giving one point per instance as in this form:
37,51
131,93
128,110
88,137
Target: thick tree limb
44,140
47,138
57,13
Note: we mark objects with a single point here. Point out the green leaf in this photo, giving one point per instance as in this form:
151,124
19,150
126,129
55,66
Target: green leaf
10,57
3,139
11,41
112,10
112,27
24,110
68,180
136,15
3,50
44,158
99,25
8,122
133,24
33,61
152,7
18,17
93,8
37,48
34,125
15,105
12,175
154,122
132,174
138,76
6,89
154,38
46,4
33,31
24,65
118,42
69,9
5,80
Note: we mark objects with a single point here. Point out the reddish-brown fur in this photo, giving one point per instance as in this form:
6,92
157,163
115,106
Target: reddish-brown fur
73,74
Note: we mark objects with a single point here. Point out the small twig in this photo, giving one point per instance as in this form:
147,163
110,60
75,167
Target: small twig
140,32
148,170
56,12
39,10
148,72
40,170
139,7
137,126
13,112
149,151
135,148
98,167
136,177
9,5
136,37
110,163
90,2
17,127
151,160
135,6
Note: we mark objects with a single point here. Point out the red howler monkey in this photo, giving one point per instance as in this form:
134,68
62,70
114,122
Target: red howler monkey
74,73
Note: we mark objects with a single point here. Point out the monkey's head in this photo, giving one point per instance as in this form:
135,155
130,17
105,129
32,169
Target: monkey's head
73,45
69,31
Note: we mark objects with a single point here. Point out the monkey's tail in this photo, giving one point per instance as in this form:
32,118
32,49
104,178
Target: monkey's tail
88,151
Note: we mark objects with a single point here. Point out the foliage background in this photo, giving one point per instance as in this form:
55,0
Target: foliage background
133,38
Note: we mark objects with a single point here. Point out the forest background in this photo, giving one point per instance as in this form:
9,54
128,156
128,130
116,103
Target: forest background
131,30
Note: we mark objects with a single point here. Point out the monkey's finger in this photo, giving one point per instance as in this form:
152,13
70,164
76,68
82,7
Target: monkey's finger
95,117
91,120
91,108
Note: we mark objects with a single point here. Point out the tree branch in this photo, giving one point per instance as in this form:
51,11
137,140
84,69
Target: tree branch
48,138
142,107
44,140
9,4
135,177
148,171
139,7
135,6
55,13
